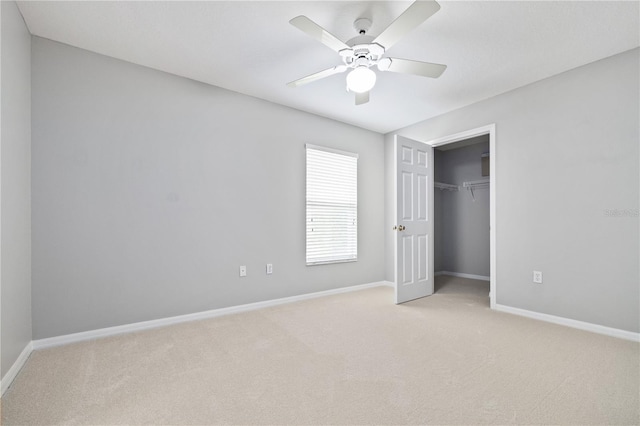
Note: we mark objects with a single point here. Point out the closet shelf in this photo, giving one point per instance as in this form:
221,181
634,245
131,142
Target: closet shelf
446,186
474,184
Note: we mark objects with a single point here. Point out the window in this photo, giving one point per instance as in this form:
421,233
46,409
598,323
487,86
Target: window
332,206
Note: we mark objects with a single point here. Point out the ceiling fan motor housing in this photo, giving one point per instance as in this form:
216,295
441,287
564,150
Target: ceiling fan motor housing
362,51
366,54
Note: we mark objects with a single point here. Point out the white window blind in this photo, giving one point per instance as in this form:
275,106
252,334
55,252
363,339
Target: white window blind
332,206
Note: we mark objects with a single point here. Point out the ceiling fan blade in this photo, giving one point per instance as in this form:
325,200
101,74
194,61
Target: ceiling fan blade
415,14
314,30
405,66
362,98
317,76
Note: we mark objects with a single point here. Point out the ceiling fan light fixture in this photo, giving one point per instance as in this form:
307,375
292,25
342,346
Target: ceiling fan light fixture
361,79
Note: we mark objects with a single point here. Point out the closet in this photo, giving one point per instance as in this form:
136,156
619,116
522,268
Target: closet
461,210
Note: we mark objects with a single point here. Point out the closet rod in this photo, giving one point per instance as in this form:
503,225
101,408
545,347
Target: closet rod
475,183
446,186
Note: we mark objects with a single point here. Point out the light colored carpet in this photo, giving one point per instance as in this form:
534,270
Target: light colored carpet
354,358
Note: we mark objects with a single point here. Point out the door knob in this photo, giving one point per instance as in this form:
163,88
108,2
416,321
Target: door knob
399,228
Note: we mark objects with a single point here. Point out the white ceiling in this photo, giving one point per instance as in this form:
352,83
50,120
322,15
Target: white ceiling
249,47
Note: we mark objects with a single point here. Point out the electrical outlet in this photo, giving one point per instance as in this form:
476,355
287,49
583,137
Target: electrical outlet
537,277
243,271
269,268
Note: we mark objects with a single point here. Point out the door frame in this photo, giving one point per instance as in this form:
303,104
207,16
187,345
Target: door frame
490,130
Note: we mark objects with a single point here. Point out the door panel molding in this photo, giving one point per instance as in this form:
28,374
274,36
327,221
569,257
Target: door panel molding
414,224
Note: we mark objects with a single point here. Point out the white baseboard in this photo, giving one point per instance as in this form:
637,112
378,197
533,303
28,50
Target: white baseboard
594,328
145,325
15,368
461,275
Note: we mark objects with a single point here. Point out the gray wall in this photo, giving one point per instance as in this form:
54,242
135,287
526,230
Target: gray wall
567,153
461,224
149,190
15,179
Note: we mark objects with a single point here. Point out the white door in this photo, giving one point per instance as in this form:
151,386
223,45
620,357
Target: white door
414,219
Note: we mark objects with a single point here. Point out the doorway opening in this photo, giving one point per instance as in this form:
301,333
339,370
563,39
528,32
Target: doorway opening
464,212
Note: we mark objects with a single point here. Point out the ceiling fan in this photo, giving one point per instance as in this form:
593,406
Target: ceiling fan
363,51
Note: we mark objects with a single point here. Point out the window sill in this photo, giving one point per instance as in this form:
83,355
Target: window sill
330,262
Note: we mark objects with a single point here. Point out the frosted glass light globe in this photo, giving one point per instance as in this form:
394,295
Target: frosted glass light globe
361,79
